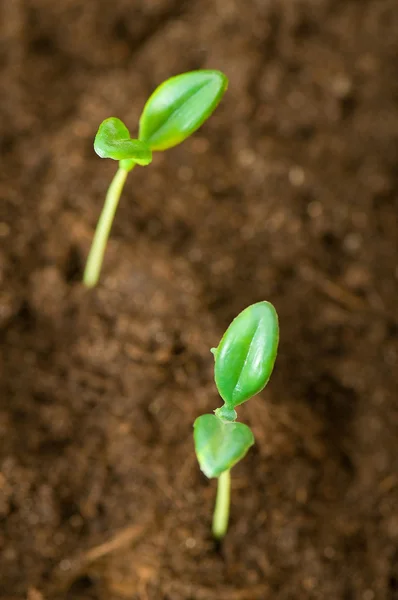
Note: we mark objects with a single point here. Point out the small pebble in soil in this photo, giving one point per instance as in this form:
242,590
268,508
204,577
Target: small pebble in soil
296,176
314,209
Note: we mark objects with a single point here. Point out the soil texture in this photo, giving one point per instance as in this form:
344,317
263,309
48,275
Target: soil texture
289,193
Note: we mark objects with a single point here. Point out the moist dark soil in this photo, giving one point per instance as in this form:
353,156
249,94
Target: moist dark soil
289,193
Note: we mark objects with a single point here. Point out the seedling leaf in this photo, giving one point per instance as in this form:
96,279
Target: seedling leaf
113,141
220,445
246,354
179,106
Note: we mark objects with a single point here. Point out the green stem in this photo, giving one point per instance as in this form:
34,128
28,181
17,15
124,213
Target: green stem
221,510
97,251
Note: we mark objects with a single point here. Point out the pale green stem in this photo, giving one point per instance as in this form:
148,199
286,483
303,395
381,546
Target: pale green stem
97,251
221,510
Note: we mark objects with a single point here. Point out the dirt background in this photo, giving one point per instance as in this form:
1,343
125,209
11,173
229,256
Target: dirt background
288,193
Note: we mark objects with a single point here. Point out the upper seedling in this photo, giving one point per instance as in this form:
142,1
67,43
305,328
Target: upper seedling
175,110
244,361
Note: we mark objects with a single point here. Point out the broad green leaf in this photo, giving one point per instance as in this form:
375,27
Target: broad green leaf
113,141
246,354
179,106
220,445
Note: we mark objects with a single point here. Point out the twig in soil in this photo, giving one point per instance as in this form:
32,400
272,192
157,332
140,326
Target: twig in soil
175,110
340,295
244,361
34,594
198,592
334,291
69,569
124,537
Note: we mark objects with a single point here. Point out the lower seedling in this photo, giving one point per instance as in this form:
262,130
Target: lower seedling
176,109
244,361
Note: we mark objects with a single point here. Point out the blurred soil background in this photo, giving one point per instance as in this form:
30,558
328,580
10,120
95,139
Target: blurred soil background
289,193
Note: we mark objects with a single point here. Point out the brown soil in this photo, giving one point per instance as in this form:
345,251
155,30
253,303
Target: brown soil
288,193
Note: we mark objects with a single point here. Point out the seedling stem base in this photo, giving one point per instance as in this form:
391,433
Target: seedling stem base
221,510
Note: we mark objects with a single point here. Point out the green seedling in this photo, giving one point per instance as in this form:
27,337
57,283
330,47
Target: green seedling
175,110
243,365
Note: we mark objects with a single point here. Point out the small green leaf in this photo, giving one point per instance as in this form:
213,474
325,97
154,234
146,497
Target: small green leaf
179,106
246,355
113,141
219,445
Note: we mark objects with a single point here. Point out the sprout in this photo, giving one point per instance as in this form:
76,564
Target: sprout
244,361
175,110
